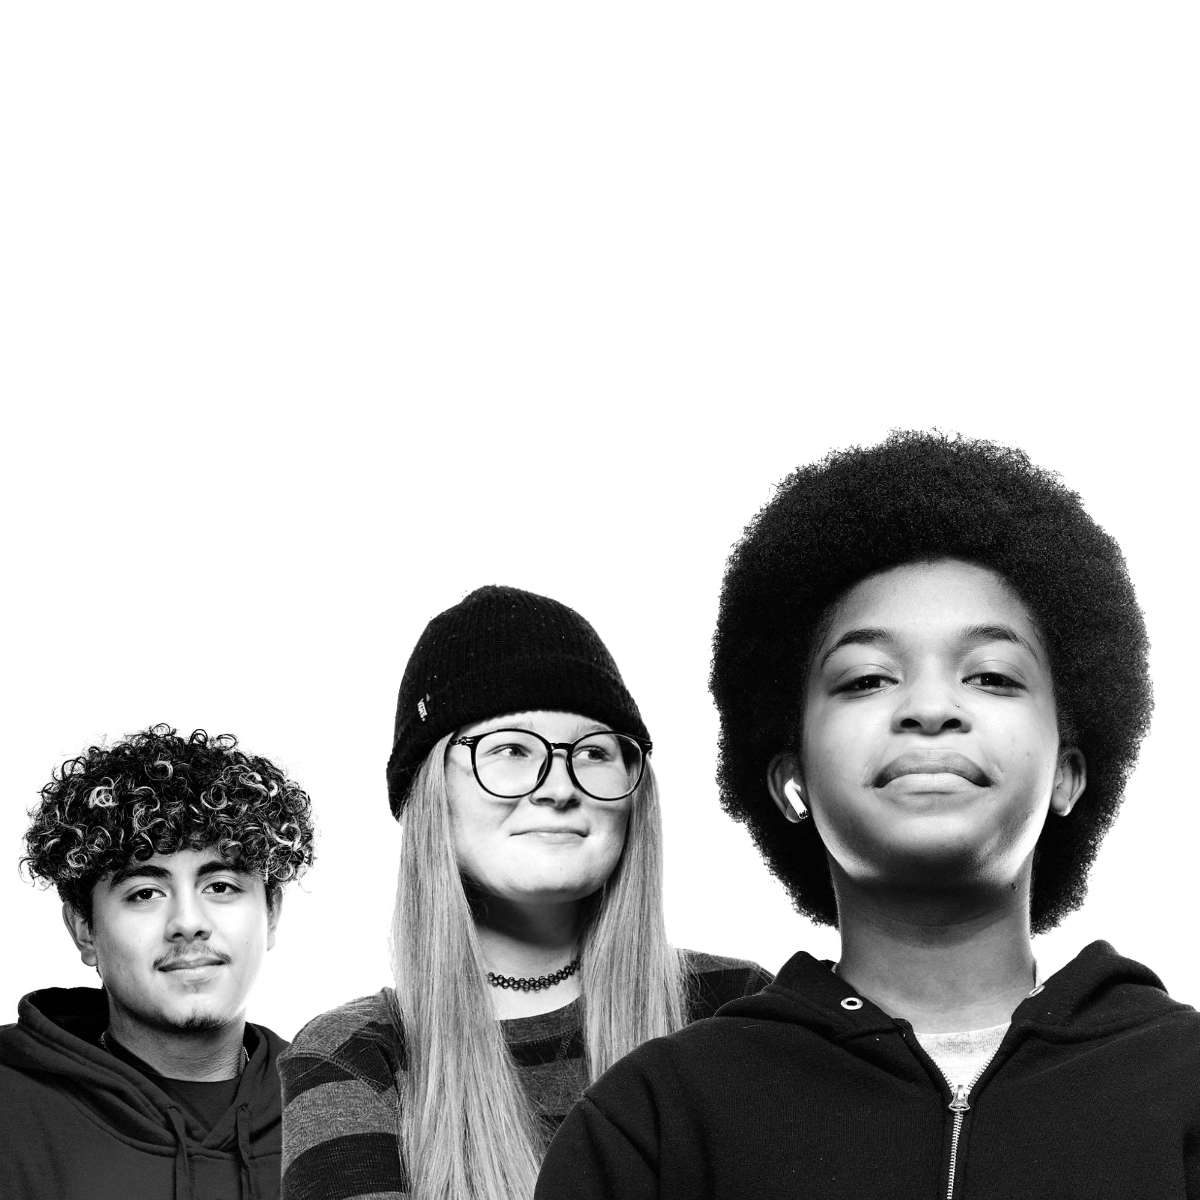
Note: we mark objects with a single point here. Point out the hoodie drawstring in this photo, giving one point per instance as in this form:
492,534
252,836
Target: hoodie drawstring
183,1166
249,1187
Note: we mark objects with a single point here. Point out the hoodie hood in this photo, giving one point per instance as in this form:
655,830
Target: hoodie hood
55,1040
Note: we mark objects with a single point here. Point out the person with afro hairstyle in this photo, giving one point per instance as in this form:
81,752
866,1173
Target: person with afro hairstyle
170,854
930,669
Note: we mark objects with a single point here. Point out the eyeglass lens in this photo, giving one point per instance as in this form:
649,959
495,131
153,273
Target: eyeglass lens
607,765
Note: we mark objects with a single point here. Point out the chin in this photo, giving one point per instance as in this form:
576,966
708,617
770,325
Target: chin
199,1018
948,864
938,831
558,892
912,857
203,1023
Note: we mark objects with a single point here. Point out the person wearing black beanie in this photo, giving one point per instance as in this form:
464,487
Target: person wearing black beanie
528,942
502,650
931,673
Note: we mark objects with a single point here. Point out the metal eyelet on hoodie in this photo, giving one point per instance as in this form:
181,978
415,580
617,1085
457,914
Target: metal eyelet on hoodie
1037,991
852,1004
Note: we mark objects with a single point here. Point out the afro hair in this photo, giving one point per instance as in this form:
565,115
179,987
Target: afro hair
157,793
916,497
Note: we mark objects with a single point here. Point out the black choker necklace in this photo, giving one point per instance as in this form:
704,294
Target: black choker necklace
520,983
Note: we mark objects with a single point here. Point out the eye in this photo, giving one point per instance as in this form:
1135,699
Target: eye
995,681
508,746
224,887
507,750
594,753
864,683
143,895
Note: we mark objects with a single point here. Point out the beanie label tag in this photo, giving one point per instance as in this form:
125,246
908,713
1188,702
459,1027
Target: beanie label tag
422,710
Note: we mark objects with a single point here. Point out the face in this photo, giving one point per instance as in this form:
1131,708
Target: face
177,940
930,750
554,845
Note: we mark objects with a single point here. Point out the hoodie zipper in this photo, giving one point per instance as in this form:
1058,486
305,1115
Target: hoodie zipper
959,1106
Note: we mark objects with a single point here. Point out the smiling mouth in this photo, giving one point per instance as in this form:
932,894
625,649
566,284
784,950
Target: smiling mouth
932,763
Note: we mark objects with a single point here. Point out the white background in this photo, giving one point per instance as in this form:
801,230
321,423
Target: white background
317,317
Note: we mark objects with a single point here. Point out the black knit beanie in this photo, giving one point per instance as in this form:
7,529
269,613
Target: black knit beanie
502,650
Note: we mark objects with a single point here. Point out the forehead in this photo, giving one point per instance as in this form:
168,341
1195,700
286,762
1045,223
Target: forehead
940,597
557,726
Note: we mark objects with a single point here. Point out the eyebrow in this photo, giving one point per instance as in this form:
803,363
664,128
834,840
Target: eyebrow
874,636
999,633
135,870
527,726
858,637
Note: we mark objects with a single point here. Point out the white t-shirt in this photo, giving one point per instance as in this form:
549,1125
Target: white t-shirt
962,1057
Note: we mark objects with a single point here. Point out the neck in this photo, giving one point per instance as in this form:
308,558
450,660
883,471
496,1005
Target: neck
943,965
529,940
203,1056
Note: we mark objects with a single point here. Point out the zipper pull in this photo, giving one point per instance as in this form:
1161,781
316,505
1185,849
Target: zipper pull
959,1103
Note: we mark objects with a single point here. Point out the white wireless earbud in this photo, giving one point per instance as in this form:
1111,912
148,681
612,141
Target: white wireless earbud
799,811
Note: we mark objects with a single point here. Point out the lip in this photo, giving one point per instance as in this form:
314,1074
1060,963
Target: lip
547,831
932,762
192,964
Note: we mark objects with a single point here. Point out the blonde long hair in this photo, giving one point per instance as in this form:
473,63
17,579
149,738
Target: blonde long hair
467,1132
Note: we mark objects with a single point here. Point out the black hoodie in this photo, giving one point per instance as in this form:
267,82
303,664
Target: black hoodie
77,1122
808,1092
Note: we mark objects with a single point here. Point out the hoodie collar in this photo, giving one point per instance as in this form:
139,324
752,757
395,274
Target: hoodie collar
57,1033
1097,993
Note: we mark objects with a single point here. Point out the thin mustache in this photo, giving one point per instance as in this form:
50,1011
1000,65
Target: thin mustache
931,762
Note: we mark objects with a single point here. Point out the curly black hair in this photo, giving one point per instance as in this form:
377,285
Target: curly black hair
156,793
915,497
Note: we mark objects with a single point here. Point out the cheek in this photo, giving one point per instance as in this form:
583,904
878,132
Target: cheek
829,757
255,939
481,846
467,827
250,928
610,831
123,971
1037,772
121,943
1030,757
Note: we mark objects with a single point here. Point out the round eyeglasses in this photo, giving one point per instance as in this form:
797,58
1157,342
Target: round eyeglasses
511,763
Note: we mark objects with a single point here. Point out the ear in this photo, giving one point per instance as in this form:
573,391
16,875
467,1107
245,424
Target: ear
786,786
1069,780
274,908
81,934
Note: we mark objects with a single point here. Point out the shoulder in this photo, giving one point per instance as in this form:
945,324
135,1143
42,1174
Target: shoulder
713,980
10,1036
369,1018
358,1040
341,1109
17,1083
699,963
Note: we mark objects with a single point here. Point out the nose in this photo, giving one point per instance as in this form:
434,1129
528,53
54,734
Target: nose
558,788
187,918
931,704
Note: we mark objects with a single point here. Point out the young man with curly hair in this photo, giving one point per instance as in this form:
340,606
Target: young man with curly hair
930,669
169,854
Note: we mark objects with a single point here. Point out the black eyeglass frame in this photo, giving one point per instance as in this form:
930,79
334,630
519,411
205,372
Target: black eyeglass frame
473,740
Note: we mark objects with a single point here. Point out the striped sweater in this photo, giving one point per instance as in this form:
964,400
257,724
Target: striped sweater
341,1114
